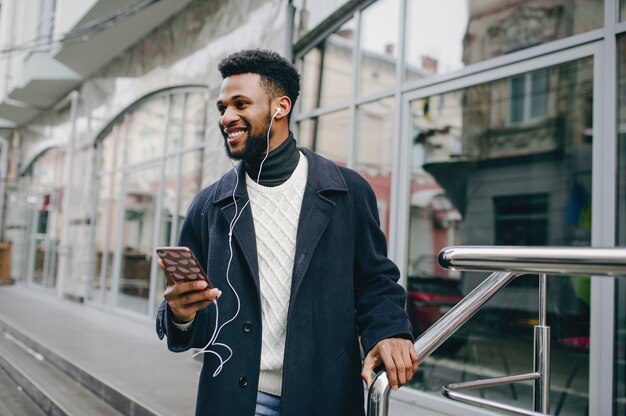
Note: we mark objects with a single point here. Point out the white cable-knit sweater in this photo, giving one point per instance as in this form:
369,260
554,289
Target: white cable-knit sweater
276,212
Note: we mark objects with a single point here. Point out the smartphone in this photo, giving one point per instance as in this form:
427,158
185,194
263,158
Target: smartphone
181,265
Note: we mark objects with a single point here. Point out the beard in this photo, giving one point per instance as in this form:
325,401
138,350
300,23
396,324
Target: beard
255,146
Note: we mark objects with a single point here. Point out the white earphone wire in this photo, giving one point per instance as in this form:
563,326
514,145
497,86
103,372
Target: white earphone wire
217,329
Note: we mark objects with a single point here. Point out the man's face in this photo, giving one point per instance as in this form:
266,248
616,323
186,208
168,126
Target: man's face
245,116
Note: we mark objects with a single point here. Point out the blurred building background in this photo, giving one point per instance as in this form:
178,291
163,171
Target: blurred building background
475,121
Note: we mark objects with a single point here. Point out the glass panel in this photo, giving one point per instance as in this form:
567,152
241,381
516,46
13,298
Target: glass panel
105,226
106,150
622,8
146,127
378,49
374,151
327,70
190,182
446,36
137,238
47,179
174,129
620,285
195,119
489,169
328,135
312,12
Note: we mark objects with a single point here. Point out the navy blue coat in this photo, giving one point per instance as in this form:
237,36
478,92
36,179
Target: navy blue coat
343,287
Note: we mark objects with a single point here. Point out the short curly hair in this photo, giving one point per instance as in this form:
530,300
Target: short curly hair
278,75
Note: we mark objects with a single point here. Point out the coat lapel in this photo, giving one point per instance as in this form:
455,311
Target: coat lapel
243,232
315,213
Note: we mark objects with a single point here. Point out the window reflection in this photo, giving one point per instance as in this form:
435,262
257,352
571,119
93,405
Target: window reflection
195,120
310,13
622,8
327,70
378,49
374,151
327,135
507,162
46,173
446,36
144,138
137,238
105,226
157,172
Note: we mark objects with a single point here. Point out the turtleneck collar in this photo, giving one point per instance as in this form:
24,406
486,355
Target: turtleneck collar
279,165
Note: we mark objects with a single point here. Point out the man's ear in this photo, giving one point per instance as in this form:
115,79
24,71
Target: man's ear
284,104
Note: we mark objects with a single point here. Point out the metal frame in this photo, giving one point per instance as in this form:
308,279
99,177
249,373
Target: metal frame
515,260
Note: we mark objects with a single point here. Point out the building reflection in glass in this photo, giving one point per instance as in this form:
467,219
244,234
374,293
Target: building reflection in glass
442,37
508,163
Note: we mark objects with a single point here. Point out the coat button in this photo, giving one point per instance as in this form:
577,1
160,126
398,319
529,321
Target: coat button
247,327
243,382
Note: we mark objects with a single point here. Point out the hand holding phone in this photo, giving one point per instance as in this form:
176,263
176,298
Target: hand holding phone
180,265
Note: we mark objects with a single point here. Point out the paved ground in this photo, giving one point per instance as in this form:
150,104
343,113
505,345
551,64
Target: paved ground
123,351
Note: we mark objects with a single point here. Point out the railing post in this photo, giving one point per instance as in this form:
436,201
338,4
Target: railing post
541,365
378,396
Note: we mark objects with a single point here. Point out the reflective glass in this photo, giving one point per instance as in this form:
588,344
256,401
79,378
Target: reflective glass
47,184
106,150
326,70
146,130
379,48
190,182
311,13
490,169
327,135
620,285
195,116
374,151
137,238
105,226
448,35
175,125
622,9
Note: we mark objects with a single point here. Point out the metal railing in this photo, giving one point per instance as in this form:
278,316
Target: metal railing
506,263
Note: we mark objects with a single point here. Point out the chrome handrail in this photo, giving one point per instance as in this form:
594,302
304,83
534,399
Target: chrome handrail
507,262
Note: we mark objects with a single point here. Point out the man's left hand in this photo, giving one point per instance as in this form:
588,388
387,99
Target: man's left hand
399,358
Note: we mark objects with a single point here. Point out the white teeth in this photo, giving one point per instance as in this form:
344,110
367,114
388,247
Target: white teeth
235,134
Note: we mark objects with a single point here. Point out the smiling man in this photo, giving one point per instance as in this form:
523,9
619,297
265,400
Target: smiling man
293,246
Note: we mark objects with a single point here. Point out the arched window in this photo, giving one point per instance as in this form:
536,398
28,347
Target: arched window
148,168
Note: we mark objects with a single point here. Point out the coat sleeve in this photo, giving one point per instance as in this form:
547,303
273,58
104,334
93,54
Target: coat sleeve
194,234
380,300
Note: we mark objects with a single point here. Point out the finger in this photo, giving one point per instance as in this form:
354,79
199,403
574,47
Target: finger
160,263
390,367
189,298
398,359
368,367
414,358
408,364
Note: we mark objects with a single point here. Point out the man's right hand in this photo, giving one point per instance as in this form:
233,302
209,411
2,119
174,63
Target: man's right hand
188,297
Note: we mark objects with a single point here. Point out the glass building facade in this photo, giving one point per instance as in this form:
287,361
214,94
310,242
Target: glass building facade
476,122
485,123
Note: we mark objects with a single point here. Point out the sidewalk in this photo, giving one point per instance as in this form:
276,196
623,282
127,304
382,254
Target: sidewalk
119,350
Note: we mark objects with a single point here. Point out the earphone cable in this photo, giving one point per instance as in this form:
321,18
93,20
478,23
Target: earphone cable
217,329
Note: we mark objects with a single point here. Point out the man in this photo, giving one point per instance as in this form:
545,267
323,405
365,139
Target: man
293,246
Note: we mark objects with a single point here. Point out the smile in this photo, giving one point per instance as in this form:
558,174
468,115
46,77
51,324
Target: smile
235,134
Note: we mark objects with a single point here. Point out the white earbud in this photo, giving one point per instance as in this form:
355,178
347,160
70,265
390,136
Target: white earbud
278,110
